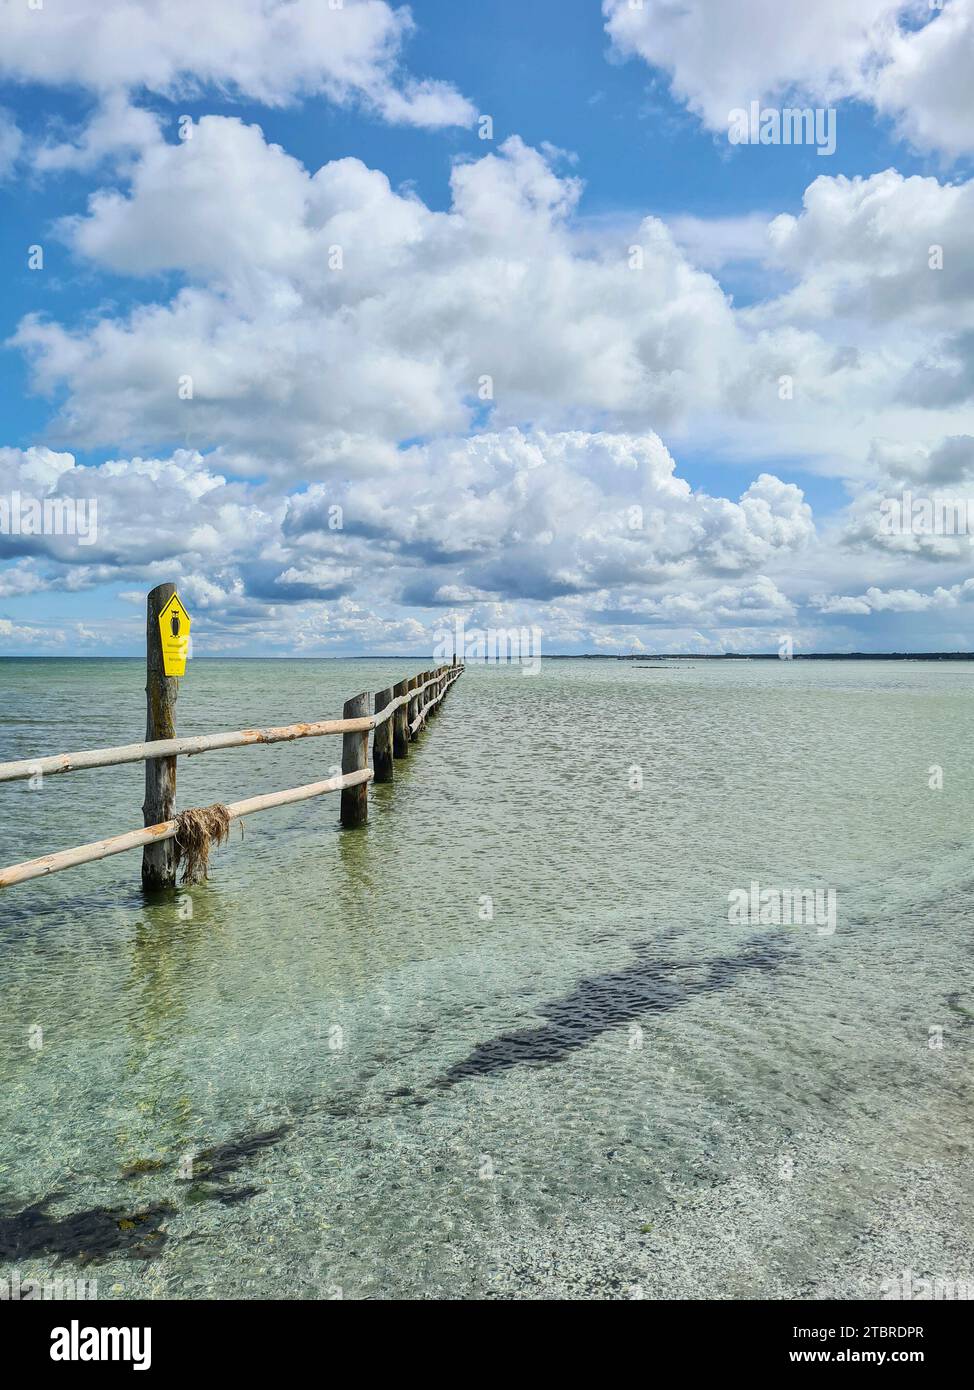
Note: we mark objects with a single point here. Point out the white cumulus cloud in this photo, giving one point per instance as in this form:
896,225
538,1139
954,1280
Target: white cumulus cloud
909,59
269,51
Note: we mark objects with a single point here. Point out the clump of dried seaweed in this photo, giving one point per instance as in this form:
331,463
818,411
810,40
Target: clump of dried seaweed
197,830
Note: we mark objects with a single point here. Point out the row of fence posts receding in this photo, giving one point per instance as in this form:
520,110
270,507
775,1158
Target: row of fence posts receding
395,720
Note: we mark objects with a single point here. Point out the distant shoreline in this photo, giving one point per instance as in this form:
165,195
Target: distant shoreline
808,656
566,656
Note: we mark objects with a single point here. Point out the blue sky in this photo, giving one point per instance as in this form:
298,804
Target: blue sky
783,363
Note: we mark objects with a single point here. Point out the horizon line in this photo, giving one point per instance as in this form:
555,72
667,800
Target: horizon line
552,656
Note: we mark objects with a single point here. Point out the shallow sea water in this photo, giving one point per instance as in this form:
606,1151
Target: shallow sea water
340,1077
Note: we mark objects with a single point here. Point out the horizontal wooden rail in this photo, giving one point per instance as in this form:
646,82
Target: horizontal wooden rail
203,743
170,748
155,834
420,719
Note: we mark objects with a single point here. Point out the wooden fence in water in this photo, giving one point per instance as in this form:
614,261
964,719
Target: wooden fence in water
395,720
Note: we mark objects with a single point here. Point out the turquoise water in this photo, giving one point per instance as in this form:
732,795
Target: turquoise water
502,1042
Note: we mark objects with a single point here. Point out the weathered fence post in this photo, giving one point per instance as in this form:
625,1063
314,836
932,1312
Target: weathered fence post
411,707
400,723
355,758
158,860
382,749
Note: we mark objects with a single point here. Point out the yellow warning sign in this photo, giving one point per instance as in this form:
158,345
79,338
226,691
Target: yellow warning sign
174,626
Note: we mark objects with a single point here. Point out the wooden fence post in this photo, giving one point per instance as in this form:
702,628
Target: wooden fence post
382,750
411,707
400,723
355,758
158,860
